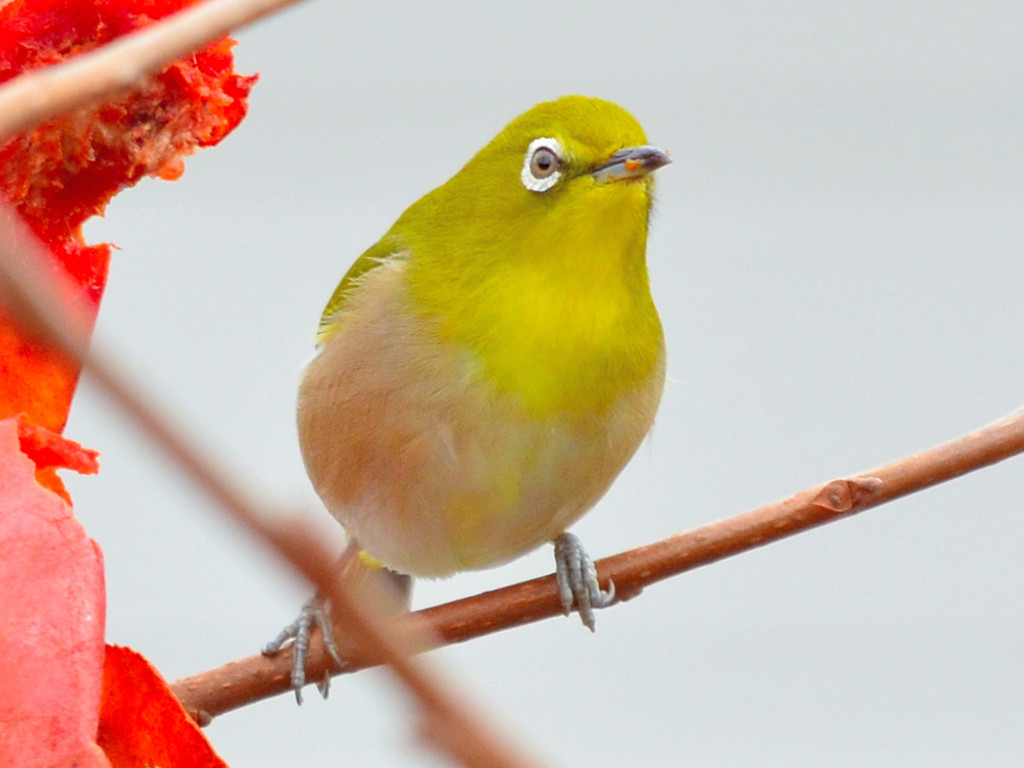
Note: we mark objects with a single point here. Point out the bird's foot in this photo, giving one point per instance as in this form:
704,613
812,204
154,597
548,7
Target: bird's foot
315,612
389,592
577,580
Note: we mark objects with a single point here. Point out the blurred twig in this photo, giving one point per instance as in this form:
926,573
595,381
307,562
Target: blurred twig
449,723
35,298
36,96
245,680
44,302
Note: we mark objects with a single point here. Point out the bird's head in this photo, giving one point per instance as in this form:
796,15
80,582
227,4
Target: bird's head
568,176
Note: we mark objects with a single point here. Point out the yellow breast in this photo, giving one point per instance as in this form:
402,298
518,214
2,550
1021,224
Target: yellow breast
565,318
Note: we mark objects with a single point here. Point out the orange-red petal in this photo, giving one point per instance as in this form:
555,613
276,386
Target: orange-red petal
65,170
142,724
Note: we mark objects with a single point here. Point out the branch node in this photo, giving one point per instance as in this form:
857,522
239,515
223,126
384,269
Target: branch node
201,717
847,493
837,496
624,594
865,488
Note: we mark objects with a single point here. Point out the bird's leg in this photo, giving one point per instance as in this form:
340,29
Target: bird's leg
391,593
577,580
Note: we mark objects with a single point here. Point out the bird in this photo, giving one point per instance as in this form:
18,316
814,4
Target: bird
486,369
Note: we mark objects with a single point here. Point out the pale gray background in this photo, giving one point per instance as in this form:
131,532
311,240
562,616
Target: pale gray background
836,255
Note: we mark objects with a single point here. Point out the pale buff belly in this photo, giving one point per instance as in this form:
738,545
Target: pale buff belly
429,468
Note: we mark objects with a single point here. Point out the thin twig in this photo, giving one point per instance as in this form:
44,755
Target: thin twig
34,299
240,682
41,94
33,296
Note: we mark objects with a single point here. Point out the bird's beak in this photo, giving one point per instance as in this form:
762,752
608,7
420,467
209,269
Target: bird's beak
630,163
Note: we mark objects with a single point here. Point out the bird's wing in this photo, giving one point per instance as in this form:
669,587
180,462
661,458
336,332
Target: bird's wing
389,247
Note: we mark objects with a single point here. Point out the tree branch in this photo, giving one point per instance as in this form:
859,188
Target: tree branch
241,682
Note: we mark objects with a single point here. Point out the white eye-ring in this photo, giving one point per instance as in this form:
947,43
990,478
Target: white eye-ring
542,166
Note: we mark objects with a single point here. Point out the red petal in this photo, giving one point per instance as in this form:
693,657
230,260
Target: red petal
50,451
51,622
142,724
34,380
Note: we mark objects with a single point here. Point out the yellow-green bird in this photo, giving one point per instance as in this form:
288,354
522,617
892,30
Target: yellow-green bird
486,369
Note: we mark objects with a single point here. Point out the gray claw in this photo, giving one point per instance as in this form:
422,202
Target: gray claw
577,580
315,611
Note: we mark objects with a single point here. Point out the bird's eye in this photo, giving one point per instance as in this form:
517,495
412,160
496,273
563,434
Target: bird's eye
542,166
543,163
